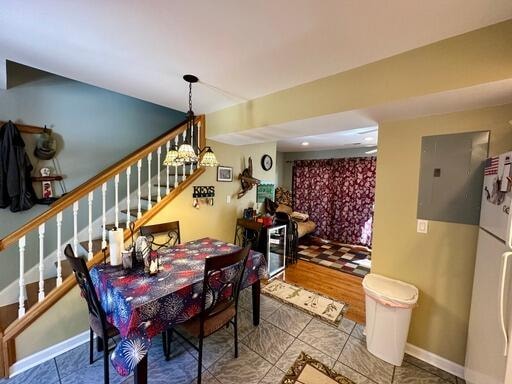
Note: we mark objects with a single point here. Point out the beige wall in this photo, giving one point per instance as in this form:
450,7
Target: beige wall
218,221
67,318
440,263
473,58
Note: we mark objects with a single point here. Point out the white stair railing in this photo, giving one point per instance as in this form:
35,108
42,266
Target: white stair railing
104,216
59,248
128,174
90,199
21,301
116,203
40,296
158,162
150,156
167,148
139,207
75,227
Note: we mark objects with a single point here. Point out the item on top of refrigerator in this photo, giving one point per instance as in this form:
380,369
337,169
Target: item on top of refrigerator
498,181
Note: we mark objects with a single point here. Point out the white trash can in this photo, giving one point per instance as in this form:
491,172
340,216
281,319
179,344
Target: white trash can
389,306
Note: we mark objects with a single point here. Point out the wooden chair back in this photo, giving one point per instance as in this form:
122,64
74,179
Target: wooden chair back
222,280
83,278
171,230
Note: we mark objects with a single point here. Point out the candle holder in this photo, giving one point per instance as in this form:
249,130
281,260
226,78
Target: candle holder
153,263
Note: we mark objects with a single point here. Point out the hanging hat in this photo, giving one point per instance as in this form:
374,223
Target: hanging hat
46,146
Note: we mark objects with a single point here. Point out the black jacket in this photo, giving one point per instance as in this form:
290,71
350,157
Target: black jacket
16,188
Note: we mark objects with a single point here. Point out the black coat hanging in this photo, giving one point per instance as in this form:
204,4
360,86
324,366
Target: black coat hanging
16,188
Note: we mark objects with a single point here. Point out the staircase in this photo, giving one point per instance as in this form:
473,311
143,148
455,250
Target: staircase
136,201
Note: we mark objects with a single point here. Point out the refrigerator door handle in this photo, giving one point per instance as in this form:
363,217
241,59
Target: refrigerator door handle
504,267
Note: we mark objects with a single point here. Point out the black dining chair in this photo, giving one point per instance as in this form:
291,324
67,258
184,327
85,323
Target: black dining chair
219,304
171,230
98,323
248,232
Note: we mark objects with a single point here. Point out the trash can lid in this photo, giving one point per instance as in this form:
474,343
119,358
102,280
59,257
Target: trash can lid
390,289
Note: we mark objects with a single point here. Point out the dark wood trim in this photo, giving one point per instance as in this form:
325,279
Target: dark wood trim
30,129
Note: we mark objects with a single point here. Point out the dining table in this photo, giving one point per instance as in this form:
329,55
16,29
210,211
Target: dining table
142,306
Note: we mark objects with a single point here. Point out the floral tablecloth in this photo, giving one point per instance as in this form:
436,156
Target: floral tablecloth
142,306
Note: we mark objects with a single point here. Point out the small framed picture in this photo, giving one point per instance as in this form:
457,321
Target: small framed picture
224,173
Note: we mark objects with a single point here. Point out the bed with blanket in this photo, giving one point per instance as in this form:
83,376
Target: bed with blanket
298,223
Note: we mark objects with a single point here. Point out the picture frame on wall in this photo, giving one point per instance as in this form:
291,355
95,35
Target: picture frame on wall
224,173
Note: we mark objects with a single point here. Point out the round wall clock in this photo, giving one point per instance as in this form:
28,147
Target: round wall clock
266,162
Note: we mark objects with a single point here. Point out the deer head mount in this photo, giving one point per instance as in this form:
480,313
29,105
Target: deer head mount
246,180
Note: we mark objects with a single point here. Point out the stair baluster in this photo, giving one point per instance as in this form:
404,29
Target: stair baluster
21,300
104,216
176,166
40,296
150,157
167,148
139,208
90,199
116,203
158,156
128,174
192,144
59,248
75,227
184,140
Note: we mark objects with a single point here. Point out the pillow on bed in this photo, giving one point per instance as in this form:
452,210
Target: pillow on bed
299,216
284,208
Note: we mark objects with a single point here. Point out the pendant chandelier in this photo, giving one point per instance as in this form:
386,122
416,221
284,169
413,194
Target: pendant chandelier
186,154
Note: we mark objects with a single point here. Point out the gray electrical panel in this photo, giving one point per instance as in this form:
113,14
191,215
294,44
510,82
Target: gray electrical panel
451,177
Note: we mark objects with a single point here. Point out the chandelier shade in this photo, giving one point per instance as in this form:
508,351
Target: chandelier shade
209,159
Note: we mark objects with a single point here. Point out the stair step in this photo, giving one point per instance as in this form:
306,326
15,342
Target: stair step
133,212
111,226
32,290
163,185
96,245
154,198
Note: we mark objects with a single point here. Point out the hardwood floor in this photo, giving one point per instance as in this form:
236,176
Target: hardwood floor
338,285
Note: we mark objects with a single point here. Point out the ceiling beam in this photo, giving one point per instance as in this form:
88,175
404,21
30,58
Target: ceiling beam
477,57
3,74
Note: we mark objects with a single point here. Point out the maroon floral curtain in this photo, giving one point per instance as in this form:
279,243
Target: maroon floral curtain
338,194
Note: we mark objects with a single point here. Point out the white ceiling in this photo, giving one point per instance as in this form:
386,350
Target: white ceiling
245,48
341,130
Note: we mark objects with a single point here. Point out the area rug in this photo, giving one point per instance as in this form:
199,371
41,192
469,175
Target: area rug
320,306
355,260
307,370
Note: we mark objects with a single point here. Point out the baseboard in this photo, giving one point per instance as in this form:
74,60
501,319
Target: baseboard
435,360
48,353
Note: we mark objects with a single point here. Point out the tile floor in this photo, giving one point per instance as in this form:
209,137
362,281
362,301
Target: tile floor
266,352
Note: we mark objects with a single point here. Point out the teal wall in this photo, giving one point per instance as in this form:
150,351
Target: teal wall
284,160
95,128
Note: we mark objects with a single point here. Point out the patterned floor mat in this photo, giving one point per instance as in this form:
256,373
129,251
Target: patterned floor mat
342,257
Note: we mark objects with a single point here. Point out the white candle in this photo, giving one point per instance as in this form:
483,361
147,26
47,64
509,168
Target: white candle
116,245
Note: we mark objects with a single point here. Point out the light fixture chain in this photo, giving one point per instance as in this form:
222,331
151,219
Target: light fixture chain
190,97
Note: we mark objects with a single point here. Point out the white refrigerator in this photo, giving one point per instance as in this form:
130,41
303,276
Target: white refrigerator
489,352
